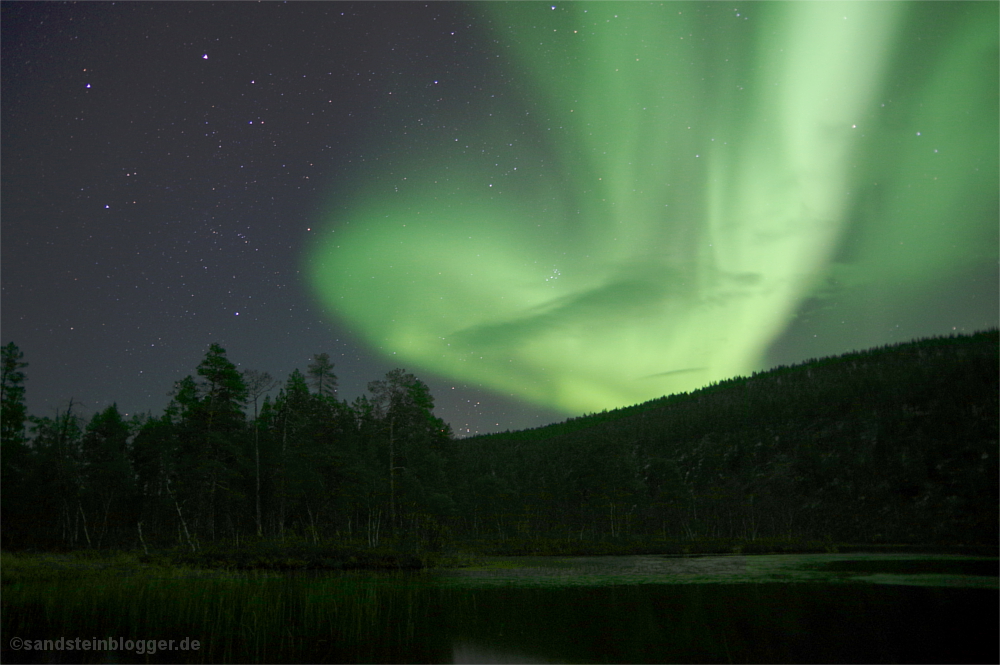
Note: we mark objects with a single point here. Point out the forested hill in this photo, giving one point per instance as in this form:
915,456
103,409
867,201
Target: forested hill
895,444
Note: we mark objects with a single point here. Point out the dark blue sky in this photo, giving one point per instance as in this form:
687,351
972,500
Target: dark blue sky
164,165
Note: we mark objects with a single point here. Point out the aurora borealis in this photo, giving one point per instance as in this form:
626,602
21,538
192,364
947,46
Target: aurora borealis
702,175
540,209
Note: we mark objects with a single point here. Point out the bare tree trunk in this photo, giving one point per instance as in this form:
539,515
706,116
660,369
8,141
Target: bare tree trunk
256,445
104,525
312,523
258,383
392,479
85,531
374,524
66,520
141,540
187,533
281,504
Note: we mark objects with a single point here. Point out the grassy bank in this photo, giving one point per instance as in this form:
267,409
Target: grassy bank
305,556
258,557
236,616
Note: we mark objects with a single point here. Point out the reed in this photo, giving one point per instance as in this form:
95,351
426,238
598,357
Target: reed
247,616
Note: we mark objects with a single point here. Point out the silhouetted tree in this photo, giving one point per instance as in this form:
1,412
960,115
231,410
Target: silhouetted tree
13,414
257,383
321,375
417,444
15,456
57,479
108,492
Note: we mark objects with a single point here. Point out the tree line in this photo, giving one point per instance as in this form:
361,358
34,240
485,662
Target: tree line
893,445
227,462
897,444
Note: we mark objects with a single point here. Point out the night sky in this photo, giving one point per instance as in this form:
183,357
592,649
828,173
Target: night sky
540,209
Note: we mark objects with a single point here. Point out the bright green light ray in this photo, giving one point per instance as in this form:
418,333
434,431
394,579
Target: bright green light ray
703,168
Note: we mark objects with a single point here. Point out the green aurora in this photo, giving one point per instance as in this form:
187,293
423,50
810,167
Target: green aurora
706,170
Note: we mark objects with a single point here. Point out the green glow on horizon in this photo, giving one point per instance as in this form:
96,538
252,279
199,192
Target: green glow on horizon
700,172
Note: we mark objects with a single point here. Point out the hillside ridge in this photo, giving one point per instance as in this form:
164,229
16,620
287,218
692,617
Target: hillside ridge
893,444
907,349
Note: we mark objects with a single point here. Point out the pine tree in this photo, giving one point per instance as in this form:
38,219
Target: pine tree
57,480
220,425
418,444
321,375
14,414
108,482
257,384
15,456
293,423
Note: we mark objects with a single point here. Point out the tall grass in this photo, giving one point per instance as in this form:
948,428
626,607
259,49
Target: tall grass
236,617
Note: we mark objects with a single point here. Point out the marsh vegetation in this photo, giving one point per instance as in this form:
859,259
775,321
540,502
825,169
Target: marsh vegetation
779,608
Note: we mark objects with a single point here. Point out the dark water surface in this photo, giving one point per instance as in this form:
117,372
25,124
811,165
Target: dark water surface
758,623
846,608
779,609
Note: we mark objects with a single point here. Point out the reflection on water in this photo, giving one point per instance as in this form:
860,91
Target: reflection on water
779,609
702,623
470,652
